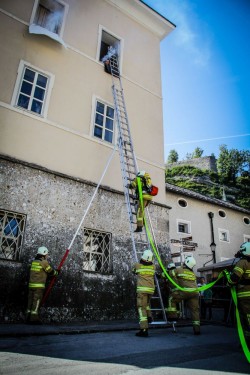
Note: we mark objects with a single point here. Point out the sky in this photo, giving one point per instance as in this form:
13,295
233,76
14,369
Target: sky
205,68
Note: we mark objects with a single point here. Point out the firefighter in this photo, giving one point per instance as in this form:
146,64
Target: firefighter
145,271
172,310
240,277
146,197
39,271
185,277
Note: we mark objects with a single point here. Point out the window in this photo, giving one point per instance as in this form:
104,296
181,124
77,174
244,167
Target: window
97,251
12,227
48,18
106,41
246,220
104,122
182,202
223,235
183,226
32,90
222,213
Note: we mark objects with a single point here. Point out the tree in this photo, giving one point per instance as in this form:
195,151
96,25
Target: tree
197,153
232,163
173,156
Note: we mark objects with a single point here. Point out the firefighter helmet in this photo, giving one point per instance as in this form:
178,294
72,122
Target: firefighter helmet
42,250
171,266
141,174
189,261
147,256
245,249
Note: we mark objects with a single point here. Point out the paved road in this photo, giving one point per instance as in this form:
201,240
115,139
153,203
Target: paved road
215,352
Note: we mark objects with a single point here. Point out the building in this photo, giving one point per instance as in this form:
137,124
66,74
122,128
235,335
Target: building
214,229
57,132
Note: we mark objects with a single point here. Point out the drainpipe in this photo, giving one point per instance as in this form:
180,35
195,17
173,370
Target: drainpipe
213,244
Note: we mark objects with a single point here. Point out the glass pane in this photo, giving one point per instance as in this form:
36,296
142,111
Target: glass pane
11,229
98,132
108,136
109,124
99,107
41,81
99,119
110,112
23,101
36,106
39,93
26,88
29,75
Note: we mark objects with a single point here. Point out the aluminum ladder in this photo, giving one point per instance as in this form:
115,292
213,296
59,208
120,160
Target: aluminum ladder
129,169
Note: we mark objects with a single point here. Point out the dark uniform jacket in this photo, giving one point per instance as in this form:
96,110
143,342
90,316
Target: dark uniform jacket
39,271
145,279
241,276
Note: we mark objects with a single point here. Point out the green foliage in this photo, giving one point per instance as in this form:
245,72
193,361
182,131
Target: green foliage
197,153
173,156
232,163
237,188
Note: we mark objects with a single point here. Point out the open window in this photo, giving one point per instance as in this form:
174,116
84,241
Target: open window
48,18
183,226
108,40
223,235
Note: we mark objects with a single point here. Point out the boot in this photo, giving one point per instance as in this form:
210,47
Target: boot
142,333
138,229
150,319
196,330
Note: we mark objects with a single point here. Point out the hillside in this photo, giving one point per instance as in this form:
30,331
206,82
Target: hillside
208,183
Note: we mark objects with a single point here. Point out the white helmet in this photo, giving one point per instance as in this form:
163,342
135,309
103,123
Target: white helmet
189,261
141,174
245,248
171,266
147,256
42,250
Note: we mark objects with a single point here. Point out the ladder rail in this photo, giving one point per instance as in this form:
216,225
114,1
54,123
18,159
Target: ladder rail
129,169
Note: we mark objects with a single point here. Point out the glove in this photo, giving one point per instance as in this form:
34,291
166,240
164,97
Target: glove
56,272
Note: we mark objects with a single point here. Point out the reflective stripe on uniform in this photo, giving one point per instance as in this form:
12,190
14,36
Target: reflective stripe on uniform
196,322
36,285
143,271
243,294
145,289
36,266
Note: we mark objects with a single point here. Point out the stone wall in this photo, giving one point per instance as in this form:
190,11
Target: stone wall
206,162
54,205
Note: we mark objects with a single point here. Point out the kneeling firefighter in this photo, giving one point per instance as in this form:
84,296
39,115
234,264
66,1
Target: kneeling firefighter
185,278
145,271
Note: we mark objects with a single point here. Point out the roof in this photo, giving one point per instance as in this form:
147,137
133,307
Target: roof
145,15
204,198
220,265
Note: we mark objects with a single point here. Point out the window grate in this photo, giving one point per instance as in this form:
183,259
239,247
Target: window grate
97,251
12,227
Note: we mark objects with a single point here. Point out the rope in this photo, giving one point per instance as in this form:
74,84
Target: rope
79,227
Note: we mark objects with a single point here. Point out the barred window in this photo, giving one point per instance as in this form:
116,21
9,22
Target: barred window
12,225
97,251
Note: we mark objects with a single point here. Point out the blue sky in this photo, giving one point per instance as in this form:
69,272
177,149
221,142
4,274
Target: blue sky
205,75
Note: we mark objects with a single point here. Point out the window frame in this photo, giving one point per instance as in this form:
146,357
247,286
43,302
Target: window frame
246,217
112,35
246,238
184,200
183,222
19,81
63,19
104,129
92,256
223,213
11,239
221,232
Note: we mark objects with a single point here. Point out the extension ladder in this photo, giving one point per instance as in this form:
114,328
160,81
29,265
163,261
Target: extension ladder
129,169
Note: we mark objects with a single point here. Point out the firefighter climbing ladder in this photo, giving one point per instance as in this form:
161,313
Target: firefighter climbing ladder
129,170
